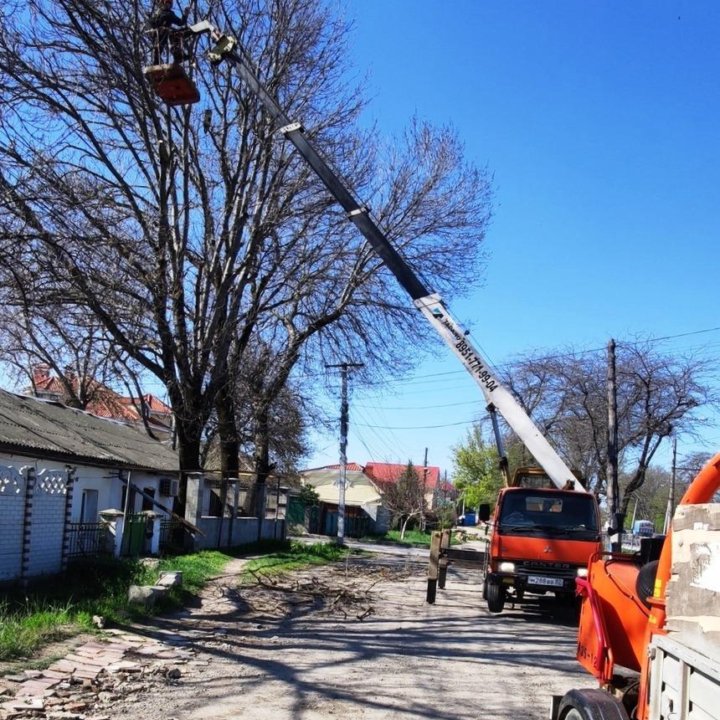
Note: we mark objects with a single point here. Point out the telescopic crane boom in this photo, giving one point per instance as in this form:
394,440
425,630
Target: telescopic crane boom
429,303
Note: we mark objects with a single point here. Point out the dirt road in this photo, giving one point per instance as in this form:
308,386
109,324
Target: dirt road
365,645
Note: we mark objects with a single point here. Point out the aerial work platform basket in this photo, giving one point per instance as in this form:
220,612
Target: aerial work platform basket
172,84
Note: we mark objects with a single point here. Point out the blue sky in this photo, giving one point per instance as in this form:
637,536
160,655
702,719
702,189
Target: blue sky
601,124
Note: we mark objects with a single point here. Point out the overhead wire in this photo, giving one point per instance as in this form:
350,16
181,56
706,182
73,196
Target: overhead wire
557,356
377,449
388,442
420,427
376,434
425,407
379,425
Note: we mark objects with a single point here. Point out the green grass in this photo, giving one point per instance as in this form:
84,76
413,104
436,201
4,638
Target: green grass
196,568
56,609
413,538
296,557
23,628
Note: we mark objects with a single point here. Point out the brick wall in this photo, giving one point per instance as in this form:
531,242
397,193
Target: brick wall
34,505
48,522
12,503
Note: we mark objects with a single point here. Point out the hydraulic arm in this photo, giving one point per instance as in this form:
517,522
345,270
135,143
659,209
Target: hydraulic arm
430,304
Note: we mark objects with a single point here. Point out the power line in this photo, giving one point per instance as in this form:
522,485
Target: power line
420,379
389,442
422,407
417,427
686,334
558,356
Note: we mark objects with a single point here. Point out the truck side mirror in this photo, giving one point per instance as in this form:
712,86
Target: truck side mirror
484,513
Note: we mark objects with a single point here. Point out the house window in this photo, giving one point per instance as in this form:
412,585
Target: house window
147,502
89,506
216,506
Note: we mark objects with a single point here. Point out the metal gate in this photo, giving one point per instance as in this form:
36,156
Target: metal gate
133,541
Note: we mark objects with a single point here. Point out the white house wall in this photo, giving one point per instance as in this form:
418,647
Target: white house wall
145,481
33,512
12,504
32,524
103,480
110,489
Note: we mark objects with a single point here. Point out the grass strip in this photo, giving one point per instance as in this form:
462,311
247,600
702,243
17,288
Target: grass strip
61,607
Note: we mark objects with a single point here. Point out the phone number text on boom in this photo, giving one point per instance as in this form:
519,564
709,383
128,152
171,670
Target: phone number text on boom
476,365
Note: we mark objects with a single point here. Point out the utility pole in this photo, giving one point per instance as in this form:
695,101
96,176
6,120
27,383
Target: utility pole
671,498
613,489
424,491
344,422
674,479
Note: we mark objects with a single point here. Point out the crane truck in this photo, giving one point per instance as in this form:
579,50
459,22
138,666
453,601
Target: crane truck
540,542
559,529
650,621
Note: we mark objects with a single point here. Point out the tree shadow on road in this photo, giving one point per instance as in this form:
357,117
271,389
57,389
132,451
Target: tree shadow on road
395,662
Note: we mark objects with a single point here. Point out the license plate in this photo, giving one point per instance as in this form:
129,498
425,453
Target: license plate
548,581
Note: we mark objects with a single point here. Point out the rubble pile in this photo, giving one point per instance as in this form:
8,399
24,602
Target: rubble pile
89,682
107,678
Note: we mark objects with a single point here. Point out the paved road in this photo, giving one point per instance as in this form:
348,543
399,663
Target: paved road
405,659
351,640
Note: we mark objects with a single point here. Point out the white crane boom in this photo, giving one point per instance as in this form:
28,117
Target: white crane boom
430,304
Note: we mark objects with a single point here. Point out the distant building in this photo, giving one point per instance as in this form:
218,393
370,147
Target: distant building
382,473
364,511
102,401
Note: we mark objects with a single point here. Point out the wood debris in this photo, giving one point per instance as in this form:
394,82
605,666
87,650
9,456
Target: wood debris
345,590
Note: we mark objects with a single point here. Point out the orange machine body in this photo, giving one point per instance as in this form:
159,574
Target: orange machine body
616,627
548,545
613,621
172,84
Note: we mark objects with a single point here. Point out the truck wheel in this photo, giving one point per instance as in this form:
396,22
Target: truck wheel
495,596
589,705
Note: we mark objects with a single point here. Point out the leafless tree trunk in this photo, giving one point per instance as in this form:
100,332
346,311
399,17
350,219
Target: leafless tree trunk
405,497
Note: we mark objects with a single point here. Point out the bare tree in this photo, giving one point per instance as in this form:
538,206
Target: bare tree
405,498
38,342
335,299
191,241
657,395
289,417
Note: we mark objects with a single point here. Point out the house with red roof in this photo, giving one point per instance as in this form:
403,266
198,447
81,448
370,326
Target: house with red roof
103,402
364,509
435,487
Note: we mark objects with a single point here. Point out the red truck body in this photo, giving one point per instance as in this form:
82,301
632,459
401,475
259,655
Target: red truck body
541,541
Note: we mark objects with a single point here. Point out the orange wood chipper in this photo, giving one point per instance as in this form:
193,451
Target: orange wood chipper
650,621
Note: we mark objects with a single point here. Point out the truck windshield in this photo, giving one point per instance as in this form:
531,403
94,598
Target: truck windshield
552,513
